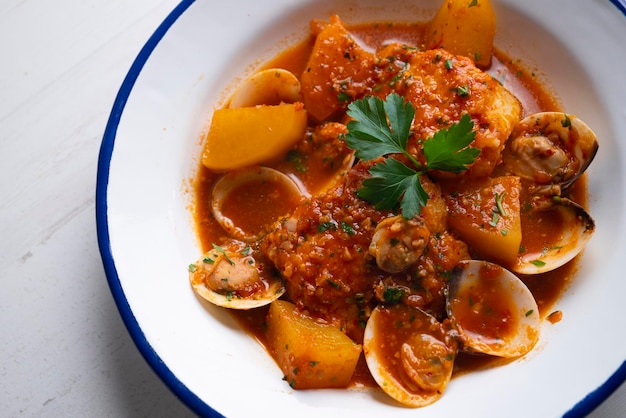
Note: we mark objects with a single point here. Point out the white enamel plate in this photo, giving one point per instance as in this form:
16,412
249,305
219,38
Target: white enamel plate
150,153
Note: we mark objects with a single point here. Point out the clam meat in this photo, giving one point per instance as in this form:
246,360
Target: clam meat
228,276
398,243
550,148
408,353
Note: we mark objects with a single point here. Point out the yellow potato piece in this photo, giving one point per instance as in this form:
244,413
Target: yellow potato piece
252,135
311,355
485,213
464,27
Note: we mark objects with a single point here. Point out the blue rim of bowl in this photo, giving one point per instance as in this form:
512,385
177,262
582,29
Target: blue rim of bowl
582,408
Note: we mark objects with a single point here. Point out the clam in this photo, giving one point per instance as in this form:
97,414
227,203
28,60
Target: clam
492,310
550,148
408,353
228,276
268,87
246,202
554,250
398,243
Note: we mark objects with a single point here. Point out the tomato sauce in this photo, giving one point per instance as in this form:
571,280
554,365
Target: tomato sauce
254,205
486,313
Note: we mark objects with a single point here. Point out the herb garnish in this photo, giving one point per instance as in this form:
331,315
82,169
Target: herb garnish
499,206
566,122
382,127
223,252
393,294
538,263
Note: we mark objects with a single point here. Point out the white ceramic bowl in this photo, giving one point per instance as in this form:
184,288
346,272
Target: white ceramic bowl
150,153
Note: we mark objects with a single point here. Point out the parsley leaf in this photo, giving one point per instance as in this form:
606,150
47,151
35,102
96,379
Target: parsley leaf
370,135
393,182
379,128
447,149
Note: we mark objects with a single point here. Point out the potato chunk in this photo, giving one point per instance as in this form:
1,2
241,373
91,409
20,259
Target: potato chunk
338,71
311,355
252,135
464,27
486,215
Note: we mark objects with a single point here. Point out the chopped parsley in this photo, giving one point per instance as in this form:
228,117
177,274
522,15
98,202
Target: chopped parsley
393,294
343,97
566,122
223,252
499,207
538,263
463,91
347,228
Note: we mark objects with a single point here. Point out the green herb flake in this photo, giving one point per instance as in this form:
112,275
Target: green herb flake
566,122
343,97
326,226
393,294
473,3
223,252
297,159
347,228
192,268
499,207
333,284
463,91
538,263
448,64
529,313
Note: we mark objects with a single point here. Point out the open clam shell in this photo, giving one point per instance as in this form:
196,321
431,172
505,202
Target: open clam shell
557,249
267,87
408,353
492,310
229,277
246,202
550,148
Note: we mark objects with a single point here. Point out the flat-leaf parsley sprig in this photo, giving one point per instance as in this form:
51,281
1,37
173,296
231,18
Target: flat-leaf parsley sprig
380,128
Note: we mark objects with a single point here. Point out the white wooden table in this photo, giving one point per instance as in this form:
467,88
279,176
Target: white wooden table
64,350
